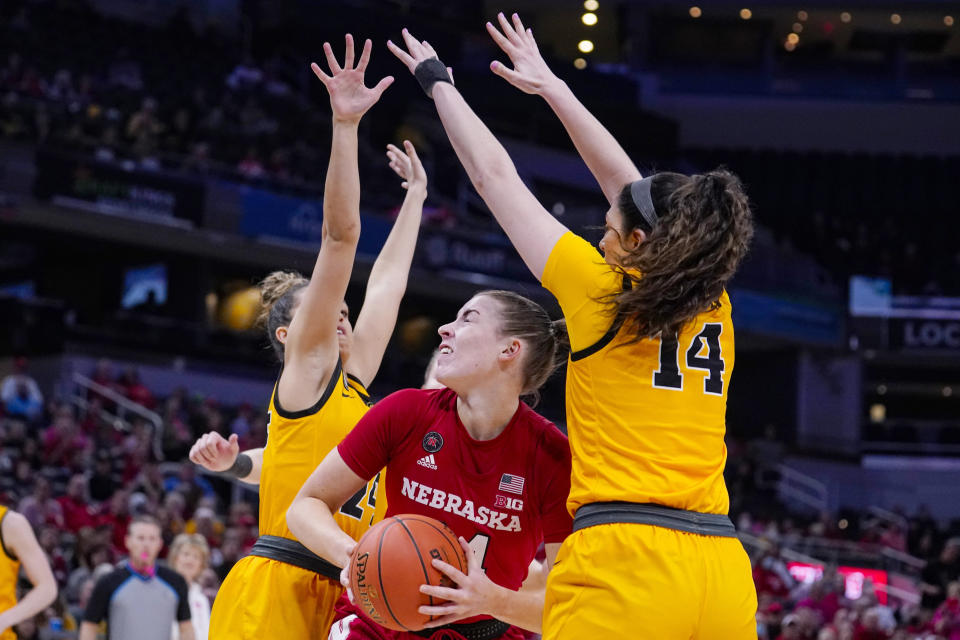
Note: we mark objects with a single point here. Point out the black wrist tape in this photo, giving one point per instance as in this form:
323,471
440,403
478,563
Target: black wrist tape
241,468
430,72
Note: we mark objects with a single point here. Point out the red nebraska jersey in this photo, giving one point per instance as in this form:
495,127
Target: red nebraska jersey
504,496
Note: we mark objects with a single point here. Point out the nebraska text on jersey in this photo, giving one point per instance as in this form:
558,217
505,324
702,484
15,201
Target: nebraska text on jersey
452,503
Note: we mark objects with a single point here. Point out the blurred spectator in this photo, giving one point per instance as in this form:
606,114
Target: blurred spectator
64,444
770,574
940,572
823,598
20,393
946,619
190,557
245,76
133,388
250,166
77,512
39,508
103,373
103,482
242,423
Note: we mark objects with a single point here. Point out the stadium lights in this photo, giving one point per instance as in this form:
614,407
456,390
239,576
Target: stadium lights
798,27
789,46
589,19
580,63
948,20
746,14
845,17
591,5
585,46
802,15
895,18
793,38
695,12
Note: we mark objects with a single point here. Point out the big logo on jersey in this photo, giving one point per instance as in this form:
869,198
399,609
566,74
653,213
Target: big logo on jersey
432,442
452,503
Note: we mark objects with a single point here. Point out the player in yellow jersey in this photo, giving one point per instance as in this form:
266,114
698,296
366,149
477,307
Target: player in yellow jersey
282,589
653,553
19,547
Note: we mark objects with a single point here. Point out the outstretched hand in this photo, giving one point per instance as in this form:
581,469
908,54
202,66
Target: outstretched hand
417,51
349,98
407,166
475,594
530,72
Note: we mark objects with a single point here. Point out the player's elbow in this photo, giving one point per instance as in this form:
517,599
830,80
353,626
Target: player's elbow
294,516
47,591
345,232
493,175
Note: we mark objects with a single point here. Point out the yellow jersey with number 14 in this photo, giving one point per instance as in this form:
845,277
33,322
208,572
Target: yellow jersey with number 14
296,443
646,420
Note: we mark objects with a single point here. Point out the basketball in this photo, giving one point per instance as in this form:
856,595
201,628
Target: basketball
390,563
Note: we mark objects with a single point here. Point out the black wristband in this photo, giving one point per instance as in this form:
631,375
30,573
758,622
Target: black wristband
241,467
430,72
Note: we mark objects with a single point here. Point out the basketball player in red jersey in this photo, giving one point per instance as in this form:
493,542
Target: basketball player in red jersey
471,455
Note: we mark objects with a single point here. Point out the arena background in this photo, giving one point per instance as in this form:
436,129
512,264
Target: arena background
158,157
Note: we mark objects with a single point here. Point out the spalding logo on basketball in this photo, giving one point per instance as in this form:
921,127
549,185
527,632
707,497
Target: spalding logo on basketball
390,563
432,442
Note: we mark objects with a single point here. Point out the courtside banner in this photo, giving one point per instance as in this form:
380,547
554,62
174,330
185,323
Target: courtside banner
109,188
278,217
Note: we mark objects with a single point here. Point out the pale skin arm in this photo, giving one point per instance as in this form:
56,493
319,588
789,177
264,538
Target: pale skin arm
88,631
476,594
310,516
311,348
186,630
215,453
530,227
388,278
606,159
18,537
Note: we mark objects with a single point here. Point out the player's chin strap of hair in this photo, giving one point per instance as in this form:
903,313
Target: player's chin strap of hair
640,193
430,72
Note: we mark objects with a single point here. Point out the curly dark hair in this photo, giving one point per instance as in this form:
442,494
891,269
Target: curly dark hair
704,231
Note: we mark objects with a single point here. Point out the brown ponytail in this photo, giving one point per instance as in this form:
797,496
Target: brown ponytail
704,230
277,295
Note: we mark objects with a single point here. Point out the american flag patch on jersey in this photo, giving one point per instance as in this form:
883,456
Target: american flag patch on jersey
511,483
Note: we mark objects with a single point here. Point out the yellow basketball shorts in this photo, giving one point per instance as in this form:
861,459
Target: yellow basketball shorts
639,581
263,598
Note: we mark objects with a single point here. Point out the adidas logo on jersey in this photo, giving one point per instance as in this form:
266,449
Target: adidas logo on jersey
428,461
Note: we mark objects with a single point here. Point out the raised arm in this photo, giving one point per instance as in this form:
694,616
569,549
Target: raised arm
18,540
388,278
311,349
604,156
530,227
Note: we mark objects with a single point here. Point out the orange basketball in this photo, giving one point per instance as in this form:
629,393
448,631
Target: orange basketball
390,563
